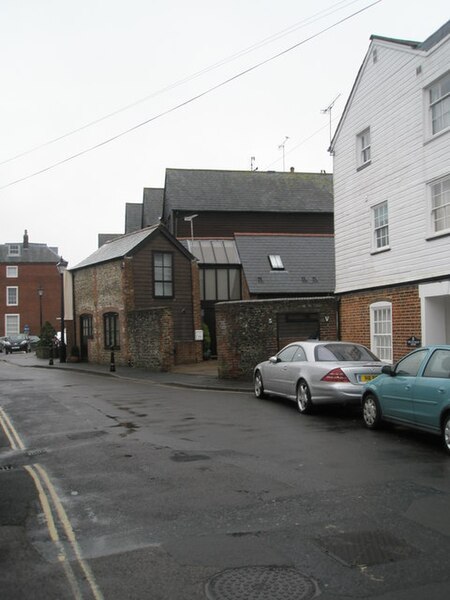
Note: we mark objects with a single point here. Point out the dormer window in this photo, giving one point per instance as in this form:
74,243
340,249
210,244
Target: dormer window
276,263
14,250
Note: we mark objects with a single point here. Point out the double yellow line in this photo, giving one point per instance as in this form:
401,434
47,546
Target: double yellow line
56,519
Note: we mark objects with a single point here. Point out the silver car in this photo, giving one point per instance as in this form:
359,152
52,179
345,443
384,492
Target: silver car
313,372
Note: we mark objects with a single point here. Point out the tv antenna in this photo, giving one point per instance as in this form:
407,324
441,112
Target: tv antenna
328,110
282,145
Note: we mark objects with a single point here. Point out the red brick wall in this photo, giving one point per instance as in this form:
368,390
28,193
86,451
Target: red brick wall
355,316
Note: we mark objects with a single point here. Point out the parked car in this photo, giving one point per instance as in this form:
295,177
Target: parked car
415,392
17,343
317,372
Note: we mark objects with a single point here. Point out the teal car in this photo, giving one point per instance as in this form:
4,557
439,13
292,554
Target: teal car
415,392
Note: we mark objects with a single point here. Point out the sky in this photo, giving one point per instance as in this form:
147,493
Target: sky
197,84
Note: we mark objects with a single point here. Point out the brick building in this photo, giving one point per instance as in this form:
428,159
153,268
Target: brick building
138,296
31,287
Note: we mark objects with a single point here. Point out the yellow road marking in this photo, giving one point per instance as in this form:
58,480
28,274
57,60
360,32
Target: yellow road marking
46,497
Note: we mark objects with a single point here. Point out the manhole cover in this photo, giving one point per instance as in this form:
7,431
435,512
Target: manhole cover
261,583
366,548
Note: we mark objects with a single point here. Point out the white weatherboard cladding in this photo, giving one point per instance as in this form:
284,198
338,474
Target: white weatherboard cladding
390,99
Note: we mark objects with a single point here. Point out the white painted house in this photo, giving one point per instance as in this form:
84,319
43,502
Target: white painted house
392,197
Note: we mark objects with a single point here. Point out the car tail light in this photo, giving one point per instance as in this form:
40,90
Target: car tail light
336,376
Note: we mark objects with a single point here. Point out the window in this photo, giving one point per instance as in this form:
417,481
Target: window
111,330
363,147
438,365
12,324
380,226
439,103
220,284
14,250
162,274
409,366
87,330
12,271
275,262
381,330
12,296
300,355
440,205
287,354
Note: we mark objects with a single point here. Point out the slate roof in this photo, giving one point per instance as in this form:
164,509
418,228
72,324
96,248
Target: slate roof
35,253
209,190
308,263
152,206
126,244
103,238
116,248
133,217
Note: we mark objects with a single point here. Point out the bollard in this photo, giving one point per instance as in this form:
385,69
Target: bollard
50,362
112,366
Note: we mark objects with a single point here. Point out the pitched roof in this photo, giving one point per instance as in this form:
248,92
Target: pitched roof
34,253
308,262
126,244
152,206
133,217
245,191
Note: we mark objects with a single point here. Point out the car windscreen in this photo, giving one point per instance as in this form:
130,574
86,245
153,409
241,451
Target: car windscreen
343,352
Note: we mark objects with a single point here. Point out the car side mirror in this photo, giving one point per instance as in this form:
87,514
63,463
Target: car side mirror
273,359
388,370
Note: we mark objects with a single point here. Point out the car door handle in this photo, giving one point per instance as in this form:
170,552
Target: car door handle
407,387
441,390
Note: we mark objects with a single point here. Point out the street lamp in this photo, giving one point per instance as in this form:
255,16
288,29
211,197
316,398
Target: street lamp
190,219
62,266
41,293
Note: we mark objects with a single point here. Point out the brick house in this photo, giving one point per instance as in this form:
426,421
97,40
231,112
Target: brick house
392,197
31,287
138,296
254,234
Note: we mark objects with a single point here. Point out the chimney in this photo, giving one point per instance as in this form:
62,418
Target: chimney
292,169
25,239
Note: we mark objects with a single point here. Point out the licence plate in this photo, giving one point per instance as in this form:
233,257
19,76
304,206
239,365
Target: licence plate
366,378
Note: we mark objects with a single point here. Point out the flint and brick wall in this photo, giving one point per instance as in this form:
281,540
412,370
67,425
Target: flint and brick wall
406,321
247,331
150,334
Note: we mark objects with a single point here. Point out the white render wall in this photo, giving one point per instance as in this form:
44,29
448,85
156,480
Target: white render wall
390,99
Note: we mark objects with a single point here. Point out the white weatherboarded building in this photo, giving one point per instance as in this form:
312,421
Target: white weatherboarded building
392,197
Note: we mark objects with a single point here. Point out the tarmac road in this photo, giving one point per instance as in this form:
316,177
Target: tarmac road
126,486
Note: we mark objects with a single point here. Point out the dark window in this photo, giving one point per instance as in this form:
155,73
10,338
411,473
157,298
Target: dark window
343,352
409,366
220,284
86,326
438,365
163,274
111,329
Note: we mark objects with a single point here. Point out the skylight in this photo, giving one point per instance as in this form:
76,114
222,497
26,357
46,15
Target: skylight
275,262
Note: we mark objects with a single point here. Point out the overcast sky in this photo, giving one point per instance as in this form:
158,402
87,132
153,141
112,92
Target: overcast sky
66,64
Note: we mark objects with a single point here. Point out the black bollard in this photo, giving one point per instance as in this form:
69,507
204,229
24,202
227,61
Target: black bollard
112,365
50,362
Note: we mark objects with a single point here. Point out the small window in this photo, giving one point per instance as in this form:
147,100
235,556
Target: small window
381,330
440,205
380,226
163,274
12,272
12,325
111,331
409,366
439,104
276,263
12,296
14,250
363,147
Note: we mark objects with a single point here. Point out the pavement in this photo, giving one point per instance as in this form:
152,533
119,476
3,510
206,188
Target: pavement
202,375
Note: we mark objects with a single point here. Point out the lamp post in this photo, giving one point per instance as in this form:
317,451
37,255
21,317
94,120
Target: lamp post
190,219
62,266
41,293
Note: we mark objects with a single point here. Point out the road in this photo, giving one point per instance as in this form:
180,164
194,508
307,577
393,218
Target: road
124,489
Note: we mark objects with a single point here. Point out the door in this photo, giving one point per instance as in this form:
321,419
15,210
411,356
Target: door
432,390
86,333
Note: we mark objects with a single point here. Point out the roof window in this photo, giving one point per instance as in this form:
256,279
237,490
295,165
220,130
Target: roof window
275,262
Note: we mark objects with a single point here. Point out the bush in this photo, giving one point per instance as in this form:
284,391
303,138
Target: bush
47,336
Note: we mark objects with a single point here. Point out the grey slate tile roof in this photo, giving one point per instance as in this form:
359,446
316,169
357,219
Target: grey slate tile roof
133,217
103,238
153,206
308,263
207,190
117,248
35,253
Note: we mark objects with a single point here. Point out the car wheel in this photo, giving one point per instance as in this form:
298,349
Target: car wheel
304,403
446,432
371,412
259,387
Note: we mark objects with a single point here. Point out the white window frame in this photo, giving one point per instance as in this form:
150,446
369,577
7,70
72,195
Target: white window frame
9,331
439,188
363,148
381,330
9,290
276,264
438,101
13,250
12,272
380,229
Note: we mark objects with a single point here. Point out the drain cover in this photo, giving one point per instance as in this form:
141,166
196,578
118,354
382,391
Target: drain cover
261,583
